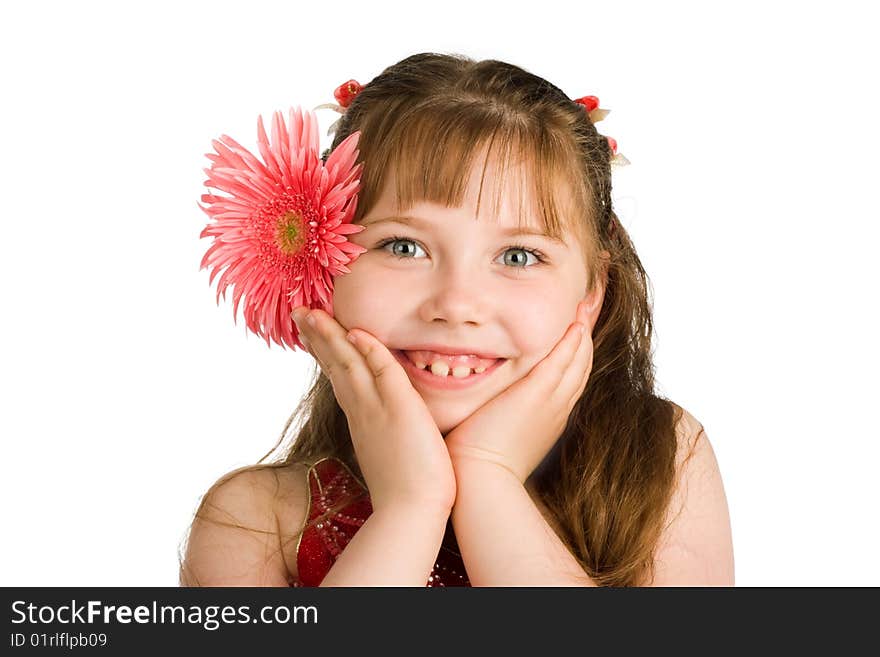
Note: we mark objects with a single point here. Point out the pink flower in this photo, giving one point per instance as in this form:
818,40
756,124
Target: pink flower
279,237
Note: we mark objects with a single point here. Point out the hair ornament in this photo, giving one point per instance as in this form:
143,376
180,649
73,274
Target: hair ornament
343,94
596,114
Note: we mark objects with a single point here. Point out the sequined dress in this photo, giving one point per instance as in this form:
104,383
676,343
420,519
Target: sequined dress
328,532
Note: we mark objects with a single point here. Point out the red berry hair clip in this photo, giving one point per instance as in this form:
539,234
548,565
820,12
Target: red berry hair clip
343,94
596,114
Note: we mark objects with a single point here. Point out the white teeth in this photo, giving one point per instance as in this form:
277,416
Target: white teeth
439,368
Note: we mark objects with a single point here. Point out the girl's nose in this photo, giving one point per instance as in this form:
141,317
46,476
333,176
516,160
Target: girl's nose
457,298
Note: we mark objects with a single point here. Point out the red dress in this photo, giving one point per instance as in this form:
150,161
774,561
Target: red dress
322,542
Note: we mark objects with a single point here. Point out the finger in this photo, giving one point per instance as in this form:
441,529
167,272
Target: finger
570,369
339,359
389,375
575,378
588,344
578,373
299,317
550,371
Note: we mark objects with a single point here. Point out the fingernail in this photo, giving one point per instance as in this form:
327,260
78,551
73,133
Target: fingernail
310,318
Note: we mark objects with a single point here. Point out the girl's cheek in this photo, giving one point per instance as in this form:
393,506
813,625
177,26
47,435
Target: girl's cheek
358,303
372,297
535,326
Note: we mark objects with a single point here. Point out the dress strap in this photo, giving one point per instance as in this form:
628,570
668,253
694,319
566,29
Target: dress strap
339,504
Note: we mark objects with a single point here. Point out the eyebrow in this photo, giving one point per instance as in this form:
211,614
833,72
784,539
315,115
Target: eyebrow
426,225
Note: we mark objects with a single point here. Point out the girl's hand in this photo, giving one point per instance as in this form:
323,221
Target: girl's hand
398,446
517,429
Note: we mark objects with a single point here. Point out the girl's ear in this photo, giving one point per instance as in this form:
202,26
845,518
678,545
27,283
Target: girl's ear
596,296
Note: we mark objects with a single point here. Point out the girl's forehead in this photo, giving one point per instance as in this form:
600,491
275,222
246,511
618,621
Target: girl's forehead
505,197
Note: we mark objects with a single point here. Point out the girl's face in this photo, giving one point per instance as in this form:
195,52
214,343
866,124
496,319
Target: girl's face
456,281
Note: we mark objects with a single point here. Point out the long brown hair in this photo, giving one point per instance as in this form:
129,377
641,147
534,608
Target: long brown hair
609,480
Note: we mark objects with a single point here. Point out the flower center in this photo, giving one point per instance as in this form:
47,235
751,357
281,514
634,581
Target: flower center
282,229
290,233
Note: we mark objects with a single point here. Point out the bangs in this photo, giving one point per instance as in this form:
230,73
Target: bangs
431,152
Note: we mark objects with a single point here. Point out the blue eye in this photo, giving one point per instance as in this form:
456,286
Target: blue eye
393,240
538,255
534,253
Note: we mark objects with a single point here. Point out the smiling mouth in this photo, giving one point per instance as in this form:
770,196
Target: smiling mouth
441,376
453,366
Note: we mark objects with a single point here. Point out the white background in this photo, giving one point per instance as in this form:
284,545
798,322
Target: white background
126,391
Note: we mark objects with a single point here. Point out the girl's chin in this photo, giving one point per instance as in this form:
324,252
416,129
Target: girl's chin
446,427
445,423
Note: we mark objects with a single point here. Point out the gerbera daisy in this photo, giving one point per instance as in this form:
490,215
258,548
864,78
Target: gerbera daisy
279,237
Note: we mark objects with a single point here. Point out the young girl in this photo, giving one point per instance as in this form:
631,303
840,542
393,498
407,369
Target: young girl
484,409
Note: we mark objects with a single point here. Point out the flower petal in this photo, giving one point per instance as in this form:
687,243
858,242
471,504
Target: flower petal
278,226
